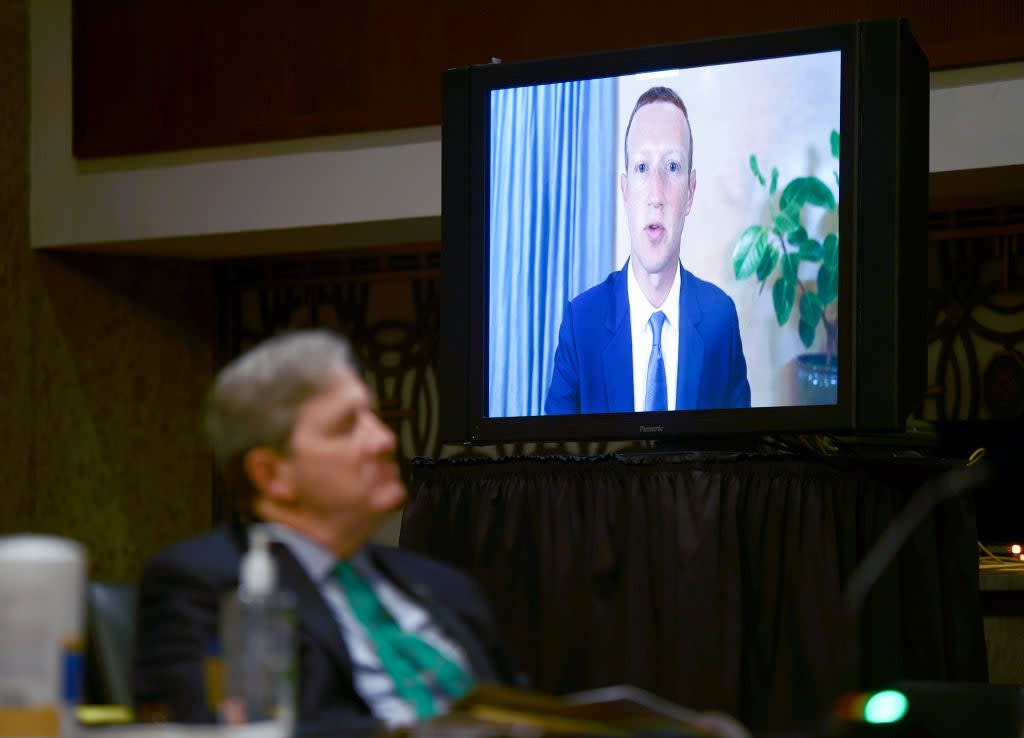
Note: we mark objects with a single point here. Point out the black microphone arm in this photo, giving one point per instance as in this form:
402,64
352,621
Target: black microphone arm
946,486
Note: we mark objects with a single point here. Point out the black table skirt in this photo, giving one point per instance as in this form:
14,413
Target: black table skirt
713,580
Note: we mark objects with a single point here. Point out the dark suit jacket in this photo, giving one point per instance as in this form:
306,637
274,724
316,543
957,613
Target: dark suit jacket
177,621
594,359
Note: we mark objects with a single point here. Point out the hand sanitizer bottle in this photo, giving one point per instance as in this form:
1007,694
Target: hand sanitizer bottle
257,636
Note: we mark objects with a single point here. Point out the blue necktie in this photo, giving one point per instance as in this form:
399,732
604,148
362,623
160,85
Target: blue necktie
657,385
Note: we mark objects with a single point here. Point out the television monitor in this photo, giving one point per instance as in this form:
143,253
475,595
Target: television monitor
766,193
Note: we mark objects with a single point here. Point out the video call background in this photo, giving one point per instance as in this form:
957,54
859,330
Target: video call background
557,222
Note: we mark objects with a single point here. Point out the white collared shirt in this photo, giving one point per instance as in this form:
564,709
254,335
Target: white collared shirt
640,312
370,680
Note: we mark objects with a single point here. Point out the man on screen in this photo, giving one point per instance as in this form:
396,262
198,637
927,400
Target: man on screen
652,336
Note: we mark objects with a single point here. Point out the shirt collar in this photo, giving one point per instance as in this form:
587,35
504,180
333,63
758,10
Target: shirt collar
641,309
318,562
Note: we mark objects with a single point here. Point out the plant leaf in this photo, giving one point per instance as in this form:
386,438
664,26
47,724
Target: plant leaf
775,181
783,292
756,169
788,220
828,274
828,283
810,313
790,263
810,250
830,248
749,250
807,191
769,258
835,143
797,237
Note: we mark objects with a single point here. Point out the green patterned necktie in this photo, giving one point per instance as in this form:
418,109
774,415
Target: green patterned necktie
413,664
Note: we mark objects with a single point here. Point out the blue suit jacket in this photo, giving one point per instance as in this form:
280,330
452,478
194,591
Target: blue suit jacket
594,359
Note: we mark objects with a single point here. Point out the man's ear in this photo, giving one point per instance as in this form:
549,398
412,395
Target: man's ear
692,188
269,473
624,188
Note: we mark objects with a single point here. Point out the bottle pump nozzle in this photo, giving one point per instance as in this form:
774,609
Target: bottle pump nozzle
258,570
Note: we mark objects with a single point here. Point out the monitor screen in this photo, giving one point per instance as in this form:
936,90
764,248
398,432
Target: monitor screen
720,210
714,237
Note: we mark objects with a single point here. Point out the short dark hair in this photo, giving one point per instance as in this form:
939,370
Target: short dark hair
653,95
255,399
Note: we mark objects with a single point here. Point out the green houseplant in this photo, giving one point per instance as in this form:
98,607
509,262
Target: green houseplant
774,252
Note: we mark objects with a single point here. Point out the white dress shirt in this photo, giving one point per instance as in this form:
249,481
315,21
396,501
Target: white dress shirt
371,682
640,312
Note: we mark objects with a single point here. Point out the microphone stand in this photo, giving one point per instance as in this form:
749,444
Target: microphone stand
947,486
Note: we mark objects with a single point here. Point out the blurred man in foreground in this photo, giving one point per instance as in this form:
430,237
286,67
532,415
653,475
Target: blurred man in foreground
296,434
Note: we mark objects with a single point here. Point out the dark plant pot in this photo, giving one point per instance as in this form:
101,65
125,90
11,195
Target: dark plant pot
816,379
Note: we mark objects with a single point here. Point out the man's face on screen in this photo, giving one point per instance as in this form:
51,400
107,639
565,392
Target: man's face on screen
658,186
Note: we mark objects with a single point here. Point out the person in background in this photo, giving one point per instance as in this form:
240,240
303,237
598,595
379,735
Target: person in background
652,336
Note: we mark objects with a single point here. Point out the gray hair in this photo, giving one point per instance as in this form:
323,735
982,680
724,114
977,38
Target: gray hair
255,398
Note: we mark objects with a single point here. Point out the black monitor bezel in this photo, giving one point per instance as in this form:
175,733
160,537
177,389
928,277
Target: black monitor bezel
479,427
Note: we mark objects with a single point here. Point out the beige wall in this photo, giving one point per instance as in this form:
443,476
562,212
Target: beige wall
103,360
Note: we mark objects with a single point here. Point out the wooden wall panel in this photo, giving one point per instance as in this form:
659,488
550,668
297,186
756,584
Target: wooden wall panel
104,360
171,74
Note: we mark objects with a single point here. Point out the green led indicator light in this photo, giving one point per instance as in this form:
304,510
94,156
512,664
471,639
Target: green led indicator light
885,707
